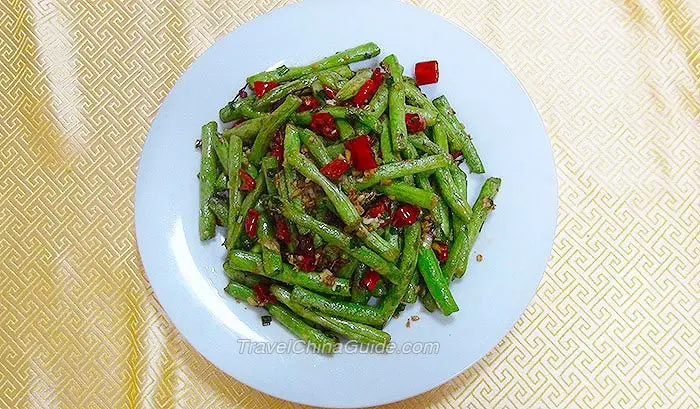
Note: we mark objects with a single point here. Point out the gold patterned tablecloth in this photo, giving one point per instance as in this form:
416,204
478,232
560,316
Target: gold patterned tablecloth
616,319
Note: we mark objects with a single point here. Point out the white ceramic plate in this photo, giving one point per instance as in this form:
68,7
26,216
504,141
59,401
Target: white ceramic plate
187,276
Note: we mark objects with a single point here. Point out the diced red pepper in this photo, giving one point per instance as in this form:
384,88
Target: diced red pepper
405,215
361,153
369,88
323,123
335,168
247,181
277,146
308,263
415,123
308,103
282,231
381,206
427,72
441,251
370,279
251,222
330,92
262,87
456,154
263,294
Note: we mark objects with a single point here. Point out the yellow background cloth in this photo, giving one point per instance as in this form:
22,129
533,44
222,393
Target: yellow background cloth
616,319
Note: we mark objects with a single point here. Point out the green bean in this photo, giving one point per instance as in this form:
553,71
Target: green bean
345,130
221,149
403,192
413,288
235,156
456,202
428,301
271,256
358,292
249,112
351,55
373,124
404,168
350,330
220,208
458,134
241,292
232,110
379,102
385,144
247,130
221,182
350,88
302,330
335,237
336,150
348,269
483,205
346,210
315,145
430,117
271,125
407,265
252,263
282,91
343,309
415,97
331,79
207,179
397,102
242,277
436,281
269,170
235,224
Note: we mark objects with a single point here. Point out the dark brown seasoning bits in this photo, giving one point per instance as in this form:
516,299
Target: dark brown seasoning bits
408,323
414,318
266,320
479,257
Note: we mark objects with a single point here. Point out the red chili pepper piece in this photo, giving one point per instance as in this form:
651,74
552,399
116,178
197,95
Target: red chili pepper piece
427,72
335,168
277,146
415,123
262,293
282,231
441,251
262,87
361,153
369,88
251,222
242,93
308,103
405,215
322,123
247,181
330,92
370,279
308,263
456,154
380,207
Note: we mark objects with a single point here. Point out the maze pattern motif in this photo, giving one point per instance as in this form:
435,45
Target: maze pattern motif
616,320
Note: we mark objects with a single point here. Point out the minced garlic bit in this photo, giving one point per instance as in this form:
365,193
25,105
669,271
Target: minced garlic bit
488,203
408,323
327,277
479,257
414,318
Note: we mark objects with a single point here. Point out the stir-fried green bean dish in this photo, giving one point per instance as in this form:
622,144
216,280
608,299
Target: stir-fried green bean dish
341,195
